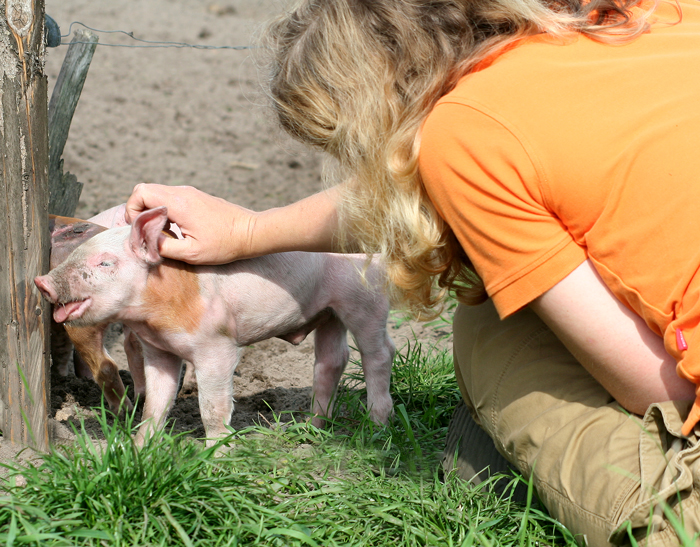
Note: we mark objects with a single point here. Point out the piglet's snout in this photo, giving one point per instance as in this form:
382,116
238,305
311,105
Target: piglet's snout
43,283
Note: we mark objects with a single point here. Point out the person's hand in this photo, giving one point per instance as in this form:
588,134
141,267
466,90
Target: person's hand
214,230
217,232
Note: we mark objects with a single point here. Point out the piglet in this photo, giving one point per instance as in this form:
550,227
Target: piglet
91,358
66,234
206,314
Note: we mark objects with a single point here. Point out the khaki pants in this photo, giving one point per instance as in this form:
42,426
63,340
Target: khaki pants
597,469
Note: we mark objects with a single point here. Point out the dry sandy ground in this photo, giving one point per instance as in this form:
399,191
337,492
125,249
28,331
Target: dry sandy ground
185,116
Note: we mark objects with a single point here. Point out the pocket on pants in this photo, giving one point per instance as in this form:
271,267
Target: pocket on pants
669,481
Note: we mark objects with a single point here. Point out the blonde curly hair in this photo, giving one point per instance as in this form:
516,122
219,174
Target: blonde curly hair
357,78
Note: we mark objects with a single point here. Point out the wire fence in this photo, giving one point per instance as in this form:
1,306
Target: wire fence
143,43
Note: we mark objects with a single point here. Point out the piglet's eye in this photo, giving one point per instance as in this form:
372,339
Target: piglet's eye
107,263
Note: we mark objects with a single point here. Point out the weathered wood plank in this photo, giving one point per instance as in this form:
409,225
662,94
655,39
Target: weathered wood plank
24,237
64,190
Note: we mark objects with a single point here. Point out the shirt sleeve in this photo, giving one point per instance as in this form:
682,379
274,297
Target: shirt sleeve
485,184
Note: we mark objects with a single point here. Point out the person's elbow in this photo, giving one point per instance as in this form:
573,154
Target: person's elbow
667,386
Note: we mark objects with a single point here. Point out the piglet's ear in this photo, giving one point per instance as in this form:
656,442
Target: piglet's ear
146,230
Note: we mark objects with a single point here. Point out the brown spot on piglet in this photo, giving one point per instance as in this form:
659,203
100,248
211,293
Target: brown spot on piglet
171,299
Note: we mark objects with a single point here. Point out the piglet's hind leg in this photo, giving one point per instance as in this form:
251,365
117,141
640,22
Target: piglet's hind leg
377,355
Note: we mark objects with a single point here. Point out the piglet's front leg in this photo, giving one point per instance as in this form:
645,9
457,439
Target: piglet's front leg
162,371
89,343
214,368
332,353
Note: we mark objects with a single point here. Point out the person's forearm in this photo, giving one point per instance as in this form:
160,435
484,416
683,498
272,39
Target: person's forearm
612,342
307,225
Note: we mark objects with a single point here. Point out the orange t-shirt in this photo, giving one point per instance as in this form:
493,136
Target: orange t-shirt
554,152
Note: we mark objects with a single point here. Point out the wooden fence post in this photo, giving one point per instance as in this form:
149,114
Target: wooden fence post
24,235
64,189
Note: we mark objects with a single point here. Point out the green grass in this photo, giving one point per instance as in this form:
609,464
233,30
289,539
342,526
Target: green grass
352,483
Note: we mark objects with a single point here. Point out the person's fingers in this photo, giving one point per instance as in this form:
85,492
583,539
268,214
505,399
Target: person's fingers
137,202
166,248
148,196
214,231
178,249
